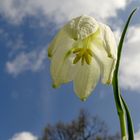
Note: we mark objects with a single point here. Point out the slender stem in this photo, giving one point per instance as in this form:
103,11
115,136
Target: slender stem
121,106
120,109
129,120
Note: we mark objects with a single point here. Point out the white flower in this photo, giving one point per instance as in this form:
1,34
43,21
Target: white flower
83,51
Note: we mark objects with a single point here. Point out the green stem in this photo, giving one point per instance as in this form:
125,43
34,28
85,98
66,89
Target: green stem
129,120
120,109
121,106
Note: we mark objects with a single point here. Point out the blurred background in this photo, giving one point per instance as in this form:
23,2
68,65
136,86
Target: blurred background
28,103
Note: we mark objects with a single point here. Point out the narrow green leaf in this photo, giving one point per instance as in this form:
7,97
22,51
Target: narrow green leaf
119,99
122,40
129,120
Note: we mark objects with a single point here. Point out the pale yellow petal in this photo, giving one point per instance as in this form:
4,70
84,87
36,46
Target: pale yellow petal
86,79
109,40
53,45
61,66
82,27
107,64
60,40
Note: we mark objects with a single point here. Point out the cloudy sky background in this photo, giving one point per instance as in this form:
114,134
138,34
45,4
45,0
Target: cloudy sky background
27,100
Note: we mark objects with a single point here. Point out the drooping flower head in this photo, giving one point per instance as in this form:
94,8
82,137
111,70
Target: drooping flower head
83,51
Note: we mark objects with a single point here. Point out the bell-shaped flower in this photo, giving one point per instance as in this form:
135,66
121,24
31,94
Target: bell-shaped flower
83,51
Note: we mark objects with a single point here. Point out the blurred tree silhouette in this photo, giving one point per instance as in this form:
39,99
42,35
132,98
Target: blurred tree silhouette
84,127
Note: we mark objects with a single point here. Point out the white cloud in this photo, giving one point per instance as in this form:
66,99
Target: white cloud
60,10
33,61
15,10
130,63
24,136
15,45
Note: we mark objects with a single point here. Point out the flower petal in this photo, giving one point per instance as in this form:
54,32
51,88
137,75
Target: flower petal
82,27
107,64
86,79
109,41
59,41
62,66
53,45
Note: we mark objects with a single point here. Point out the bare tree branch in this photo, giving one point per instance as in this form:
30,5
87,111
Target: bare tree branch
84,127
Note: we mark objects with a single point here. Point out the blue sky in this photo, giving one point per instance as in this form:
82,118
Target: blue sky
27,100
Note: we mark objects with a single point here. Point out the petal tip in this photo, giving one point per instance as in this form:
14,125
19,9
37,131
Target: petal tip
55,86
108,82
49,55
83,99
